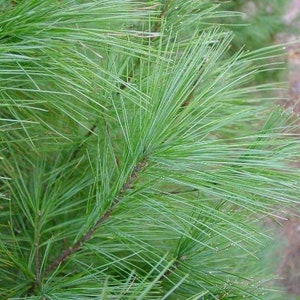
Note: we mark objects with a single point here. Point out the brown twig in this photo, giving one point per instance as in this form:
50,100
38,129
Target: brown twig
37,263
173,268
127,185
180,192
37,280
88,134
88,235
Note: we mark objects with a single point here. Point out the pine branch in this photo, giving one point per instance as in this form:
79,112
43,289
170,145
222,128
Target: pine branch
214,169
36,253
123,86
37,280
88,235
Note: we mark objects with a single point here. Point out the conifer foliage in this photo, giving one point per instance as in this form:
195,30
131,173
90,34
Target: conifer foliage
137,158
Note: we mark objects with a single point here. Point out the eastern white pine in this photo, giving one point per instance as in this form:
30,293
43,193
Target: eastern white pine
138,158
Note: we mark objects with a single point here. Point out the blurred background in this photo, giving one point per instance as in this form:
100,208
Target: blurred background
266,23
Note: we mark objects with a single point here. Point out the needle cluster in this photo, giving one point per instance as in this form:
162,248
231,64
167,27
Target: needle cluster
138,158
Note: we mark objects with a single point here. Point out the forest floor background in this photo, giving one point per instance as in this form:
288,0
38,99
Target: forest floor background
289,231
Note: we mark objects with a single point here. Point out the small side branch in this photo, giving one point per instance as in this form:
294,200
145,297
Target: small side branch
173,268
88,235
36,249
88,134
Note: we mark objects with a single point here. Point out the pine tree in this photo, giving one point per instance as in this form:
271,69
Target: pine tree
138,160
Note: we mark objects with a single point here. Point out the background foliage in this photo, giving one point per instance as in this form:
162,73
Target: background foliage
137,159
257,23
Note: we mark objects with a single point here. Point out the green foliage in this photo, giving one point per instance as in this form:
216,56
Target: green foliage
136,160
